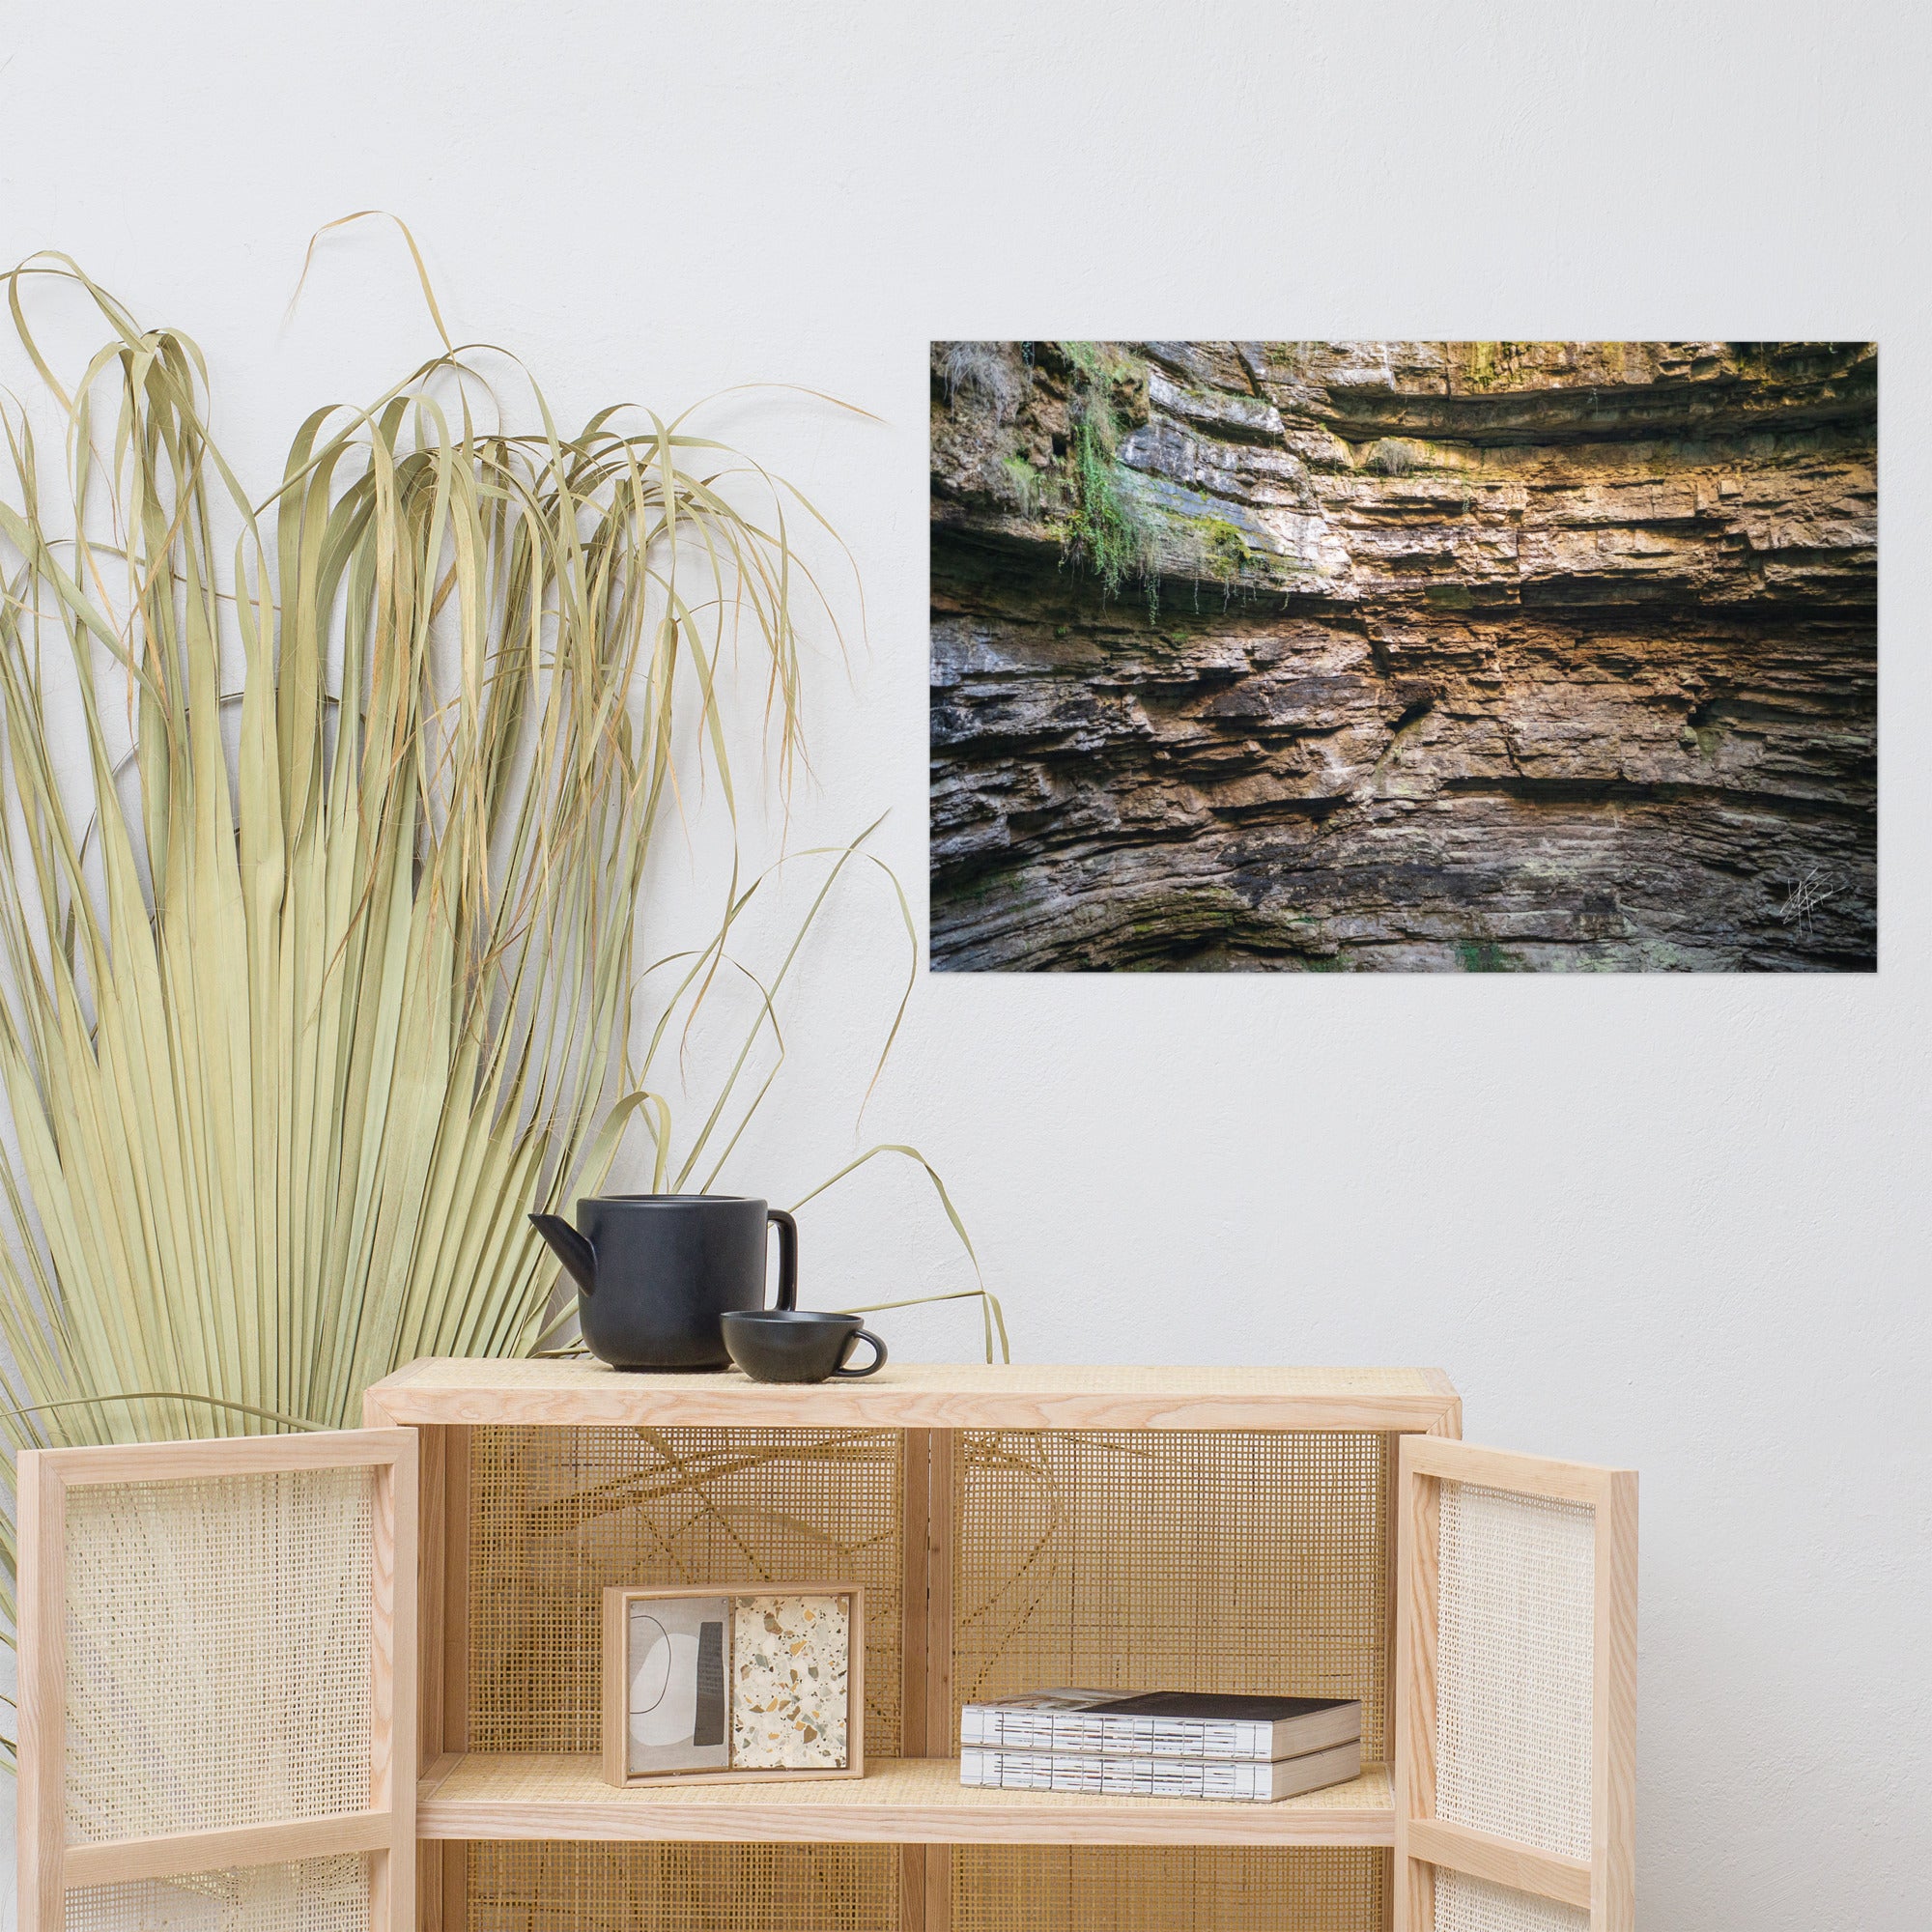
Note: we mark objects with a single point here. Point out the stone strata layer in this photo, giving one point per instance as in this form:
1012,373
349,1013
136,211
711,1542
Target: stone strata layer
1430,655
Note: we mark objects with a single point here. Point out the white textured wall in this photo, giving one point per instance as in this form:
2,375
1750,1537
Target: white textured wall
1679,1223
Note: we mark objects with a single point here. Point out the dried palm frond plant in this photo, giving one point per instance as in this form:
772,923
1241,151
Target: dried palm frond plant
317,962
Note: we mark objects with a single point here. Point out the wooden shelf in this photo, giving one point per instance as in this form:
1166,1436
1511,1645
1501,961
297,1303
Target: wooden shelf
898,1801
580,1392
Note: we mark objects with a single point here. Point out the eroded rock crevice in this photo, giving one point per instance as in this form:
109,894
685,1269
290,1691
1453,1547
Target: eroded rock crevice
1404,655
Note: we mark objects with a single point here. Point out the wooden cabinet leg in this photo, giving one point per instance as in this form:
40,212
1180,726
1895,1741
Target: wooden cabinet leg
914,1517
442,1875
926,1683
443,1683
938,1888
912,1888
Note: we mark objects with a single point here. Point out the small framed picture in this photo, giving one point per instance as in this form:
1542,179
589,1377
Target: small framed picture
751,1684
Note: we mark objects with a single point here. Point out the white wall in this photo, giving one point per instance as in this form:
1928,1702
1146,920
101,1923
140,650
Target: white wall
1679,1223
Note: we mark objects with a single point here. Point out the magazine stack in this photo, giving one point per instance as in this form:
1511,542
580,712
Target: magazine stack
1162,1744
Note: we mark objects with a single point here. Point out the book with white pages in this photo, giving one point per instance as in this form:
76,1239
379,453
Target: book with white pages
1231,1781
1162,1724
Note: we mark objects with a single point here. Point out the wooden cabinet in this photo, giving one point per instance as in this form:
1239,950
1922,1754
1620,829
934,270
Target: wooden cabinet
1231,1528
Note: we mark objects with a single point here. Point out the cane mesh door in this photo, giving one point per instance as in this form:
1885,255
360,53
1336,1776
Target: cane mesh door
217,1711
1515,1692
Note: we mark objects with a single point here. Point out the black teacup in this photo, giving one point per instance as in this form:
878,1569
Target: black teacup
791,1345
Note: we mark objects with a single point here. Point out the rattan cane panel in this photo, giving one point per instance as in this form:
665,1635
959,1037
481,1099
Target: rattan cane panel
218,1652
558,1514
1513,1667
1107,1889
313,1896
542,1887
1465,1904
1253,1561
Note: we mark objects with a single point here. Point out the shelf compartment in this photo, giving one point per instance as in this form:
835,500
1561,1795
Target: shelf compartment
898,1801
1161,1888
555,1516
1205,1560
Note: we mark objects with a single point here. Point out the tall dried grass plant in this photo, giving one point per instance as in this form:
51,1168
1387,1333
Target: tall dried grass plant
319,973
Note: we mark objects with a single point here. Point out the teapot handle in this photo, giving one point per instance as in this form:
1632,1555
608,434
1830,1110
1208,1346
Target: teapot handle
787,1257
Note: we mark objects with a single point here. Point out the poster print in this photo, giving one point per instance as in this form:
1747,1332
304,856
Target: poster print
1403,656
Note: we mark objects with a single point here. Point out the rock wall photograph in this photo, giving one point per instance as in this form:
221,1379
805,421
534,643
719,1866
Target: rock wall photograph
1405,656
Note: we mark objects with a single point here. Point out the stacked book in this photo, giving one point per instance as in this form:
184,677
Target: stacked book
1164,1744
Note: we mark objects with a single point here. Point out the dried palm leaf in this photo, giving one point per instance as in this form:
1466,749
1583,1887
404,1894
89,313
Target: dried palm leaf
319,974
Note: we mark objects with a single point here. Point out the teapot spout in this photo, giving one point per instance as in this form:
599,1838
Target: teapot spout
570,1248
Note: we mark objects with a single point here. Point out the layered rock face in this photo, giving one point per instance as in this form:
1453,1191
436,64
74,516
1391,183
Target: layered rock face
1404,655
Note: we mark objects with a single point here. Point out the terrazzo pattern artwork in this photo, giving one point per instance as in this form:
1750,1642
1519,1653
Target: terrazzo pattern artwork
790,1683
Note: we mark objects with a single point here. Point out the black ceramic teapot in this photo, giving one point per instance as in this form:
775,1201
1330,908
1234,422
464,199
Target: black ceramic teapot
655,1273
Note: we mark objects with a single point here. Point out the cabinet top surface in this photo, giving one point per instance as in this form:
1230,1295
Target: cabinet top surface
921,1395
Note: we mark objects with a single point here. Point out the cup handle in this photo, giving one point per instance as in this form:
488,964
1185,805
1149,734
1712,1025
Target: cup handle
787,1257
872,1367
